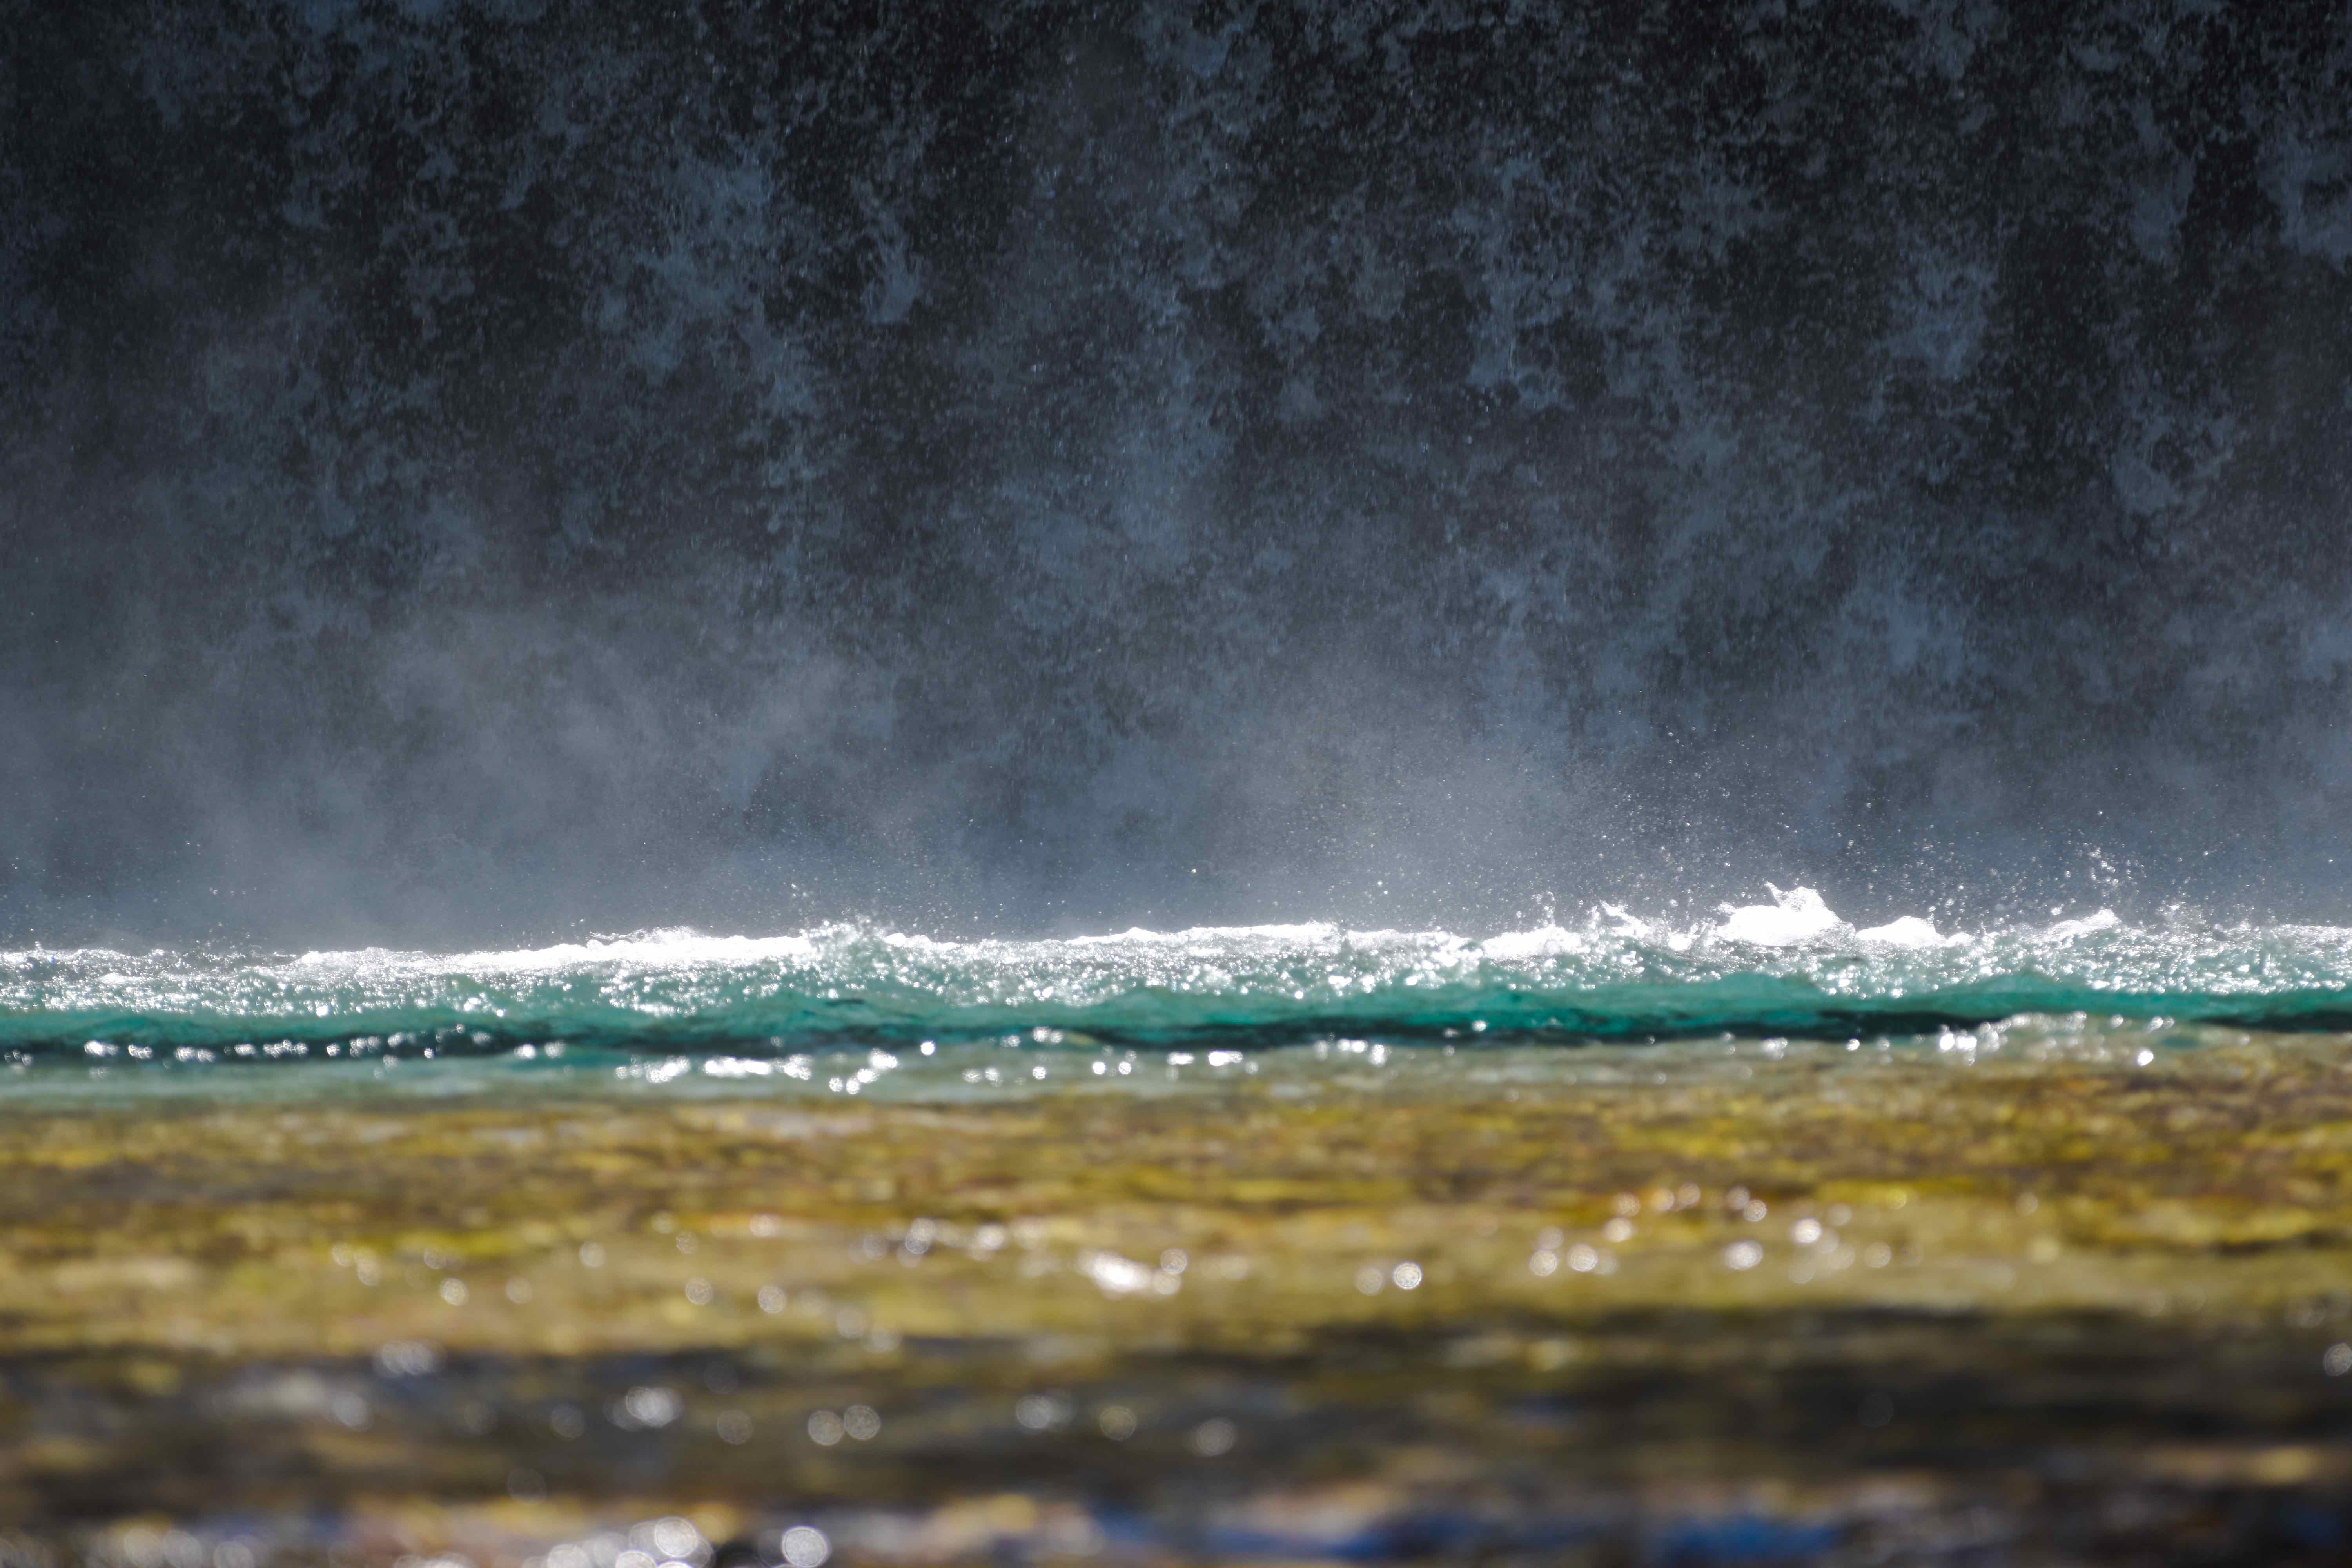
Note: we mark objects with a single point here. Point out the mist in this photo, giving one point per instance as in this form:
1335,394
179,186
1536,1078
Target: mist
475,468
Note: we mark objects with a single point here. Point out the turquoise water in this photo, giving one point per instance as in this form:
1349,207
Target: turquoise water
1790,967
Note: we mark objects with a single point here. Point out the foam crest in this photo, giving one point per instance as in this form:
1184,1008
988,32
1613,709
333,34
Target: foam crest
671,949
1790,967
1794,916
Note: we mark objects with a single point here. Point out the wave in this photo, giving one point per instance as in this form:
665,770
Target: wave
1790,966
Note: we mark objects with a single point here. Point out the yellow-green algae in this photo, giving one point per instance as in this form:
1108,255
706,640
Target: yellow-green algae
1580,1224
2221,1178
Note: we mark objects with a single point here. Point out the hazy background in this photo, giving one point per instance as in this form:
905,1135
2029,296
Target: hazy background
492,468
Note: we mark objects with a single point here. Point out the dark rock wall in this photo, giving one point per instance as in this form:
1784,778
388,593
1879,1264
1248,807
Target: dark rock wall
497,464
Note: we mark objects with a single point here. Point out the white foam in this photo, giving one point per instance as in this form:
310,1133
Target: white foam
1622,923
1309,931
1081,969
1908,931
2066,930
1794,916
1544,942
673,949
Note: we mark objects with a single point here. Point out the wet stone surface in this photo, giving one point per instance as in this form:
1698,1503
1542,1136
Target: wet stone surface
2036,1299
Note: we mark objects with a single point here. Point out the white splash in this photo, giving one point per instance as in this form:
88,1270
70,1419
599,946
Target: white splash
2066,930
1794,916
662,948
1908,930
1544,942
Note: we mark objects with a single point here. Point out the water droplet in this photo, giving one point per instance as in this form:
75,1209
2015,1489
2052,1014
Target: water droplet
1214,1437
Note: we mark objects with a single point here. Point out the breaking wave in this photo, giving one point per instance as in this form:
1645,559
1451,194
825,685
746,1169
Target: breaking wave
1786,966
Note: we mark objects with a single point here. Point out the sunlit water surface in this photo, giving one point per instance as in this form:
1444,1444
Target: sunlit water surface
850,1010
1674,1240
